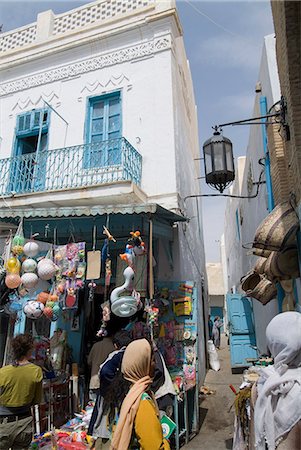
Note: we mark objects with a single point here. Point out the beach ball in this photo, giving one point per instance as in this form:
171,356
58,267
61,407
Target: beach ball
17,249
43,297
18,240
12,280
31,249
56,309
13,265
48,312
46,269
29,280
29,265
33,309
49,304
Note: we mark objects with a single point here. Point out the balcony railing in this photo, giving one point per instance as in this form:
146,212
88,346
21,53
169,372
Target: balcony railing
71,167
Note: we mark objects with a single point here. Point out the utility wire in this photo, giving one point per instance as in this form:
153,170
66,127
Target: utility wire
211,20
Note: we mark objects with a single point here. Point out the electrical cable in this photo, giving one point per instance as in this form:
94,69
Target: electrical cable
228,195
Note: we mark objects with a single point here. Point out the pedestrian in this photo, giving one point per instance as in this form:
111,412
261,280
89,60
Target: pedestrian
277,413
98,427
210,326
97,356
216,332
138,423
20,388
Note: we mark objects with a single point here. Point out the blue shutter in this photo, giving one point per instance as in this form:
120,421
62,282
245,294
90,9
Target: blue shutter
103,131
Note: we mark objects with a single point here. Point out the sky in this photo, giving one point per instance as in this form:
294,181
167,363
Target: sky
223,42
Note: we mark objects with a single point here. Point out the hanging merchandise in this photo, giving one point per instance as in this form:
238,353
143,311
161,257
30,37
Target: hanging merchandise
46,269
18,240
31,249
12,280
33,309
29,280
13,265
29,265
71,269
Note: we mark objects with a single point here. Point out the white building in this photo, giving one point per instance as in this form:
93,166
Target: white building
98,118
243,216
216,289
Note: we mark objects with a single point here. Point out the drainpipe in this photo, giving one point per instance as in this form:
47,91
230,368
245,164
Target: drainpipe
271,204
264,112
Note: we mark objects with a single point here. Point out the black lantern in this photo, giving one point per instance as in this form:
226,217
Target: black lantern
218,159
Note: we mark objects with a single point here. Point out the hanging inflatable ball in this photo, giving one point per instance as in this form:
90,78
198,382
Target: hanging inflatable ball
13,280
33,309
17,250
56,309
29,280
29,265
48,312
31,249
46,269
18,240
13,265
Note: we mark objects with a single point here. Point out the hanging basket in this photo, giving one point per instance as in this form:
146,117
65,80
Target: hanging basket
264,291
260,265
262,253
278,229
250,281
283,265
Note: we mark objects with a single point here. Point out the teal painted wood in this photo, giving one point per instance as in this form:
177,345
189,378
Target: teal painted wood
241,330
64,168
103,123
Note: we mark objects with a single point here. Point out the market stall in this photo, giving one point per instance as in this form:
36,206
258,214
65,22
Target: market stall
66,292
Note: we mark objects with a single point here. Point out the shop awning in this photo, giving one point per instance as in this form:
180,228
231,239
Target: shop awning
78,211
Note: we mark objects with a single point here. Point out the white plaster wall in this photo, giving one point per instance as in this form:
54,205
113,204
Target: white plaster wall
215,278
252,211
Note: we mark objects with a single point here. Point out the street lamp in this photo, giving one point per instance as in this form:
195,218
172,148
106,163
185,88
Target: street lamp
219,162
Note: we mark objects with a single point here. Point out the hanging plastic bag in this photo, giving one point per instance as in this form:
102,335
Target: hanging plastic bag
213,357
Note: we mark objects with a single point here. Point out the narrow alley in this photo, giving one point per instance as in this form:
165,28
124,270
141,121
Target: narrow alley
216,410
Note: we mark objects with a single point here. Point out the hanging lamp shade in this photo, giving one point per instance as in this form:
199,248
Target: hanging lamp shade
219,162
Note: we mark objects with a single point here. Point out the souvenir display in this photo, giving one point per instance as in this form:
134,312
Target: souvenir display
70,260
29,265
13,280
31,249
33,309
29,280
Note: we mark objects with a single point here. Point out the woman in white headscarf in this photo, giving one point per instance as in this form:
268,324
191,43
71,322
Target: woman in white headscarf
277,413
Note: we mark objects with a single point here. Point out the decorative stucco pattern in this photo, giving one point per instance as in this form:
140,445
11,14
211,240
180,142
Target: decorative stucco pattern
72,70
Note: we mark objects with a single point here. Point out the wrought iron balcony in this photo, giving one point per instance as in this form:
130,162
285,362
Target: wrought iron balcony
71,167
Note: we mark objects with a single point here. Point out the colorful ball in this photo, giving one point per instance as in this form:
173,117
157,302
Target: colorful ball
56,309
43,297
49,304
33,309
29,280
12,280
29,265
17,249
47,270
13,265
48,312
31,249
18,240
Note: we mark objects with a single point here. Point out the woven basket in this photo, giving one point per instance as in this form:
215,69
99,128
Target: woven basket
260,265
283,265
264,291
250,281
278,229
262,253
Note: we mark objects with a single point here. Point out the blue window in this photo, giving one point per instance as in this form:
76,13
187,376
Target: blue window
103,131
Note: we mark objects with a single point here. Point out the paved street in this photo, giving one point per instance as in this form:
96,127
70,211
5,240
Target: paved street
217,428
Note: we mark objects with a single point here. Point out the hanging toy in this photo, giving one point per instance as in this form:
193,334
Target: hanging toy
46,269
33,309
29,265
124,306
29,280
91,287
18,240
13,280
17,250
43,297
106,315
134,247
13,265
31,249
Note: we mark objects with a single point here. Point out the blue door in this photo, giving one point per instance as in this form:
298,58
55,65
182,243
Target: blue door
241,329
